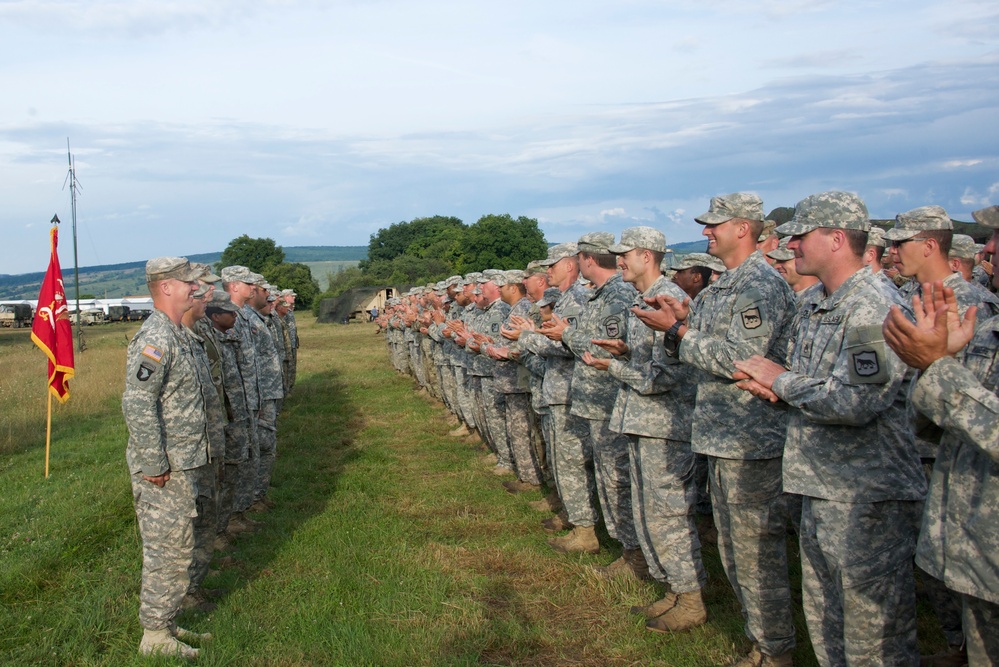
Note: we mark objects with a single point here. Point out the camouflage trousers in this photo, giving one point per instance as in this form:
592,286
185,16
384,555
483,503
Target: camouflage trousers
429,369
540,444
494,411
267,437
612,473
663,495
206,523
448,389
519,438
292,368
166,524
464,395
981,627
572,467
237,452
859,593
400,356
477,400
747,500
416,363
946,603
246,479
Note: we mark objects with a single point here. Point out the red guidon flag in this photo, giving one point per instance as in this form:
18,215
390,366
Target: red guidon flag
51,330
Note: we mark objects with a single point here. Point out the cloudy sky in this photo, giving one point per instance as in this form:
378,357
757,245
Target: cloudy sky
318,122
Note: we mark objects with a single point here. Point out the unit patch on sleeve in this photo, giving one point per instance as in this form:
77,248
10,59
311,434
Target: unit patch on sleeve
145,372
751,318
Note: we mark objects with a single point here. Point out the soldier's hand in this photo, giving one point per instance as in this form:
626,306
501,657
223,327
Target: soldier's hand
760,369
615,346
521,323
158,480
937,332
595,362
756,389
986,266
658,319
554,328
510,333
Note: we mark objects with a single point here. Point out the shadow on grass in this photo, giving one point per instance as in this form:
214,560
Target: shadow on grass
316,441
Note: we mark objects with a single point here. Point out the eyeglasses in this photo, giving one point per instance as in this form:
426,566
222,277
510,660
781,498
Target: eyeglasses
897,244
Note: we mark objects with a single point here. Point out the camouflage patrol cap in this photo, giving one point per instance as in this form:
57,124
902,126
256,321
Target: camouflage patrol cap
596,243
560,251
742,205
241,274
534,267
222,301
207,274
833,210
512,277
962,246
989,217
203,289
272,295
693,259
550,297
769,228
165,268
489,275
876,237
471,278
922,219
647,238
453,281
781,253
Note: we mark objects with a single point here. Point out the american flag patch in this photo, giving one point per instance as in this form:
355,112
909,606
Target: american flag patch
153,353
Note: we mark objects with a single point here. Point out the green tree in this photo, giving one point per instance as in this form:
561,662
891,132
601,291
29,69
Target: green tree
255,254
296,276
419,237
781,214
500,242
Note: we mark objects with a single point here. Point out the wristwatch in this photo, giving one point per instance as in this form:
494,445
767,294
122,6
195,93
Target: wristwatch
672,343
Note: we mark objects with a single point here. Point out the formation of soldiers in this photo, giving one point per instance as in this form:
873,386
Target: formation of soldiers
815,376
205,380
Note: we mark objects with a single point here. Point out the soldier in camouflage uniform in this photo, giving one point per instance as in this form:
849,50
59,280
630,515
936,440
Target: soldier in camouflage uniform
209,368
959,538
164,404
849,450
513,393
271,383
604,316
486,331
288,296
655,416
221,315
746,311
240,283
571,456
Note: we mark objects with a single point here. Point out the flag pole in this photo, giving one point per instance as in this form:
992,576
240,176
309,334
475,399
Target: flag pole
48,434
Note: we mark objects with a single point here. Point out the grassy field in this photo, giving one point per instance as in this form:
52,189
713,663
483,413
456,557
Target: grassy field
391,544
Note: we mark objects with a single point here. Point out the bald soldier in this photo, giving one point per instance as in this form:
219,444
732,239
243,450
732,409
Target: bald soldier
165,411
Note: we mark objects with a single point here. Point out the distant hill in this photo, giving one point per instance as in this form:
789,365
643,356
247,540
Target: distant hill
689,247
118,280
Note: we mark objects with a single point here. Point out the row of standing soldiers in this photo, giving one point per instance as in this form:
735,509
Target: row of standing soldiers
817,396
205,380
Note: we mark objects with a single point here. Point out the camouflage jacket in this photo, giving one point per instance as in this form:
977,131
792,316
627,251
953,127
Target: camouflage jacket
746,311
292,324
849,438
203,331
269,377
959,539
164,401
967,295
214,410
232,379
247,359
507,373
604,315
650,403
559,360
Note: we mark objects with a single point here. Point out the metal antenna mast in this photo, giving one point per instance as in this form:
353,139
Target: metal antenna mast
73,187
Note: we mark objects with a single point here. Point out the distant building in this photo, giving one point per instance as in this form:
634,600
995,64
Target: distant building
356,303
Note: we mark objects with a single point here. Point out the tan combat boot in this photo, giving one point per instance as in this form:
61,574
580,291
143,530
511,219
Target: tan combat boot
557,523
688,612
631,565
518,486
757,658
189,636
459,432
502,470
161,642
582,539
657,608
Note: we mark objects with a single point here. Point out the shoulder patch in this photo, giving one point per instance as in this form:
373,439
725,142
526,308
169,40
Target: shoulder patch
751,318
866,355
612,325
145,372
153,353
